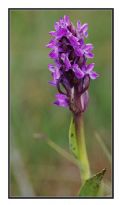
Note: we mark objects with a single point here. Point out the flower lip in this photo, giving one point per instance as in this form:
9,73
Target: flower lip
66,61
51,67
61,100
78,72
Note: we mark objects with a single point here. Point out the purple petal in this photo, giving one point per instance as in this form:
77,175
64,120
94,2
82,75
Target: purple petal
79,52
54,53
61,100
93,75
84,28
73,40
81,41
88,47
89,55
61,96
56,74
86,34
51,44
52,33
61,32
90,67
62,23
52,83
56,26
78,25
84,68
51,67
66,61
58,64
67,20
78,72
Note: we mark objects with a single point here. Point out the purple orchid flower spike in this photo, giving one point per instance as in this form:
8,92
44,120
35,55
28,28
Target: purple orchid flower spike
71,74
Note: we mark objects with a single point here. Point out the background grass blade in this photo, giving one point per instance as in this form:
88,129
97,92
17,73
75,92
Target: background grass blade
103,146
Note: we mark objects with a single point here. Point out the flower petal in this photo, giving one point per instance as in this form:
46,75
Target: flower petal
56,26
90,67
73,40
52,33
78,72
86,34
54,53
93,75
52,83
56,74
67,20
61,32
78,51
84,29
66,61
88,47
89,55
51,67
78,25
51,44
61,100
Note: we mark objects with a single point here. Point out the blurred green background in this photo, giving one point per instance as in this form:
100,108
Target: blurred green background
36,169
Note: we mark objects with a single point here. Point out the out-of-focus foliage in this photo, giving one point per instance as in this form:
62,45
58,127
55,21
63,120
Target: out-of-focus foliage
32,111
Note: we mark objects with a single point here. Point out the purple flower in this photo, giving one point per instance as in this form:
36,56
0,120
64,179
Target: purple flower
66,61
88,69
70,73
78,72
82,30
61,100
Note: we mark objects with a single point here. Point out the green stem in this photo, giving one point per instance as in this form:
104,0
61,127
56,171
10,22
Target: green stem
83,158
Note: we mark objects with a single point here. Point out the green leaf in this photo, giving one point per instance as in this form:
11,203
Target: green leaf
73,140
78,146
91,186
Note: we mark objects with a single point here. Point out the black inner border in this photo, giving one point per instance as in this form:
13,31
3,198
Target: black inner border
75,197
